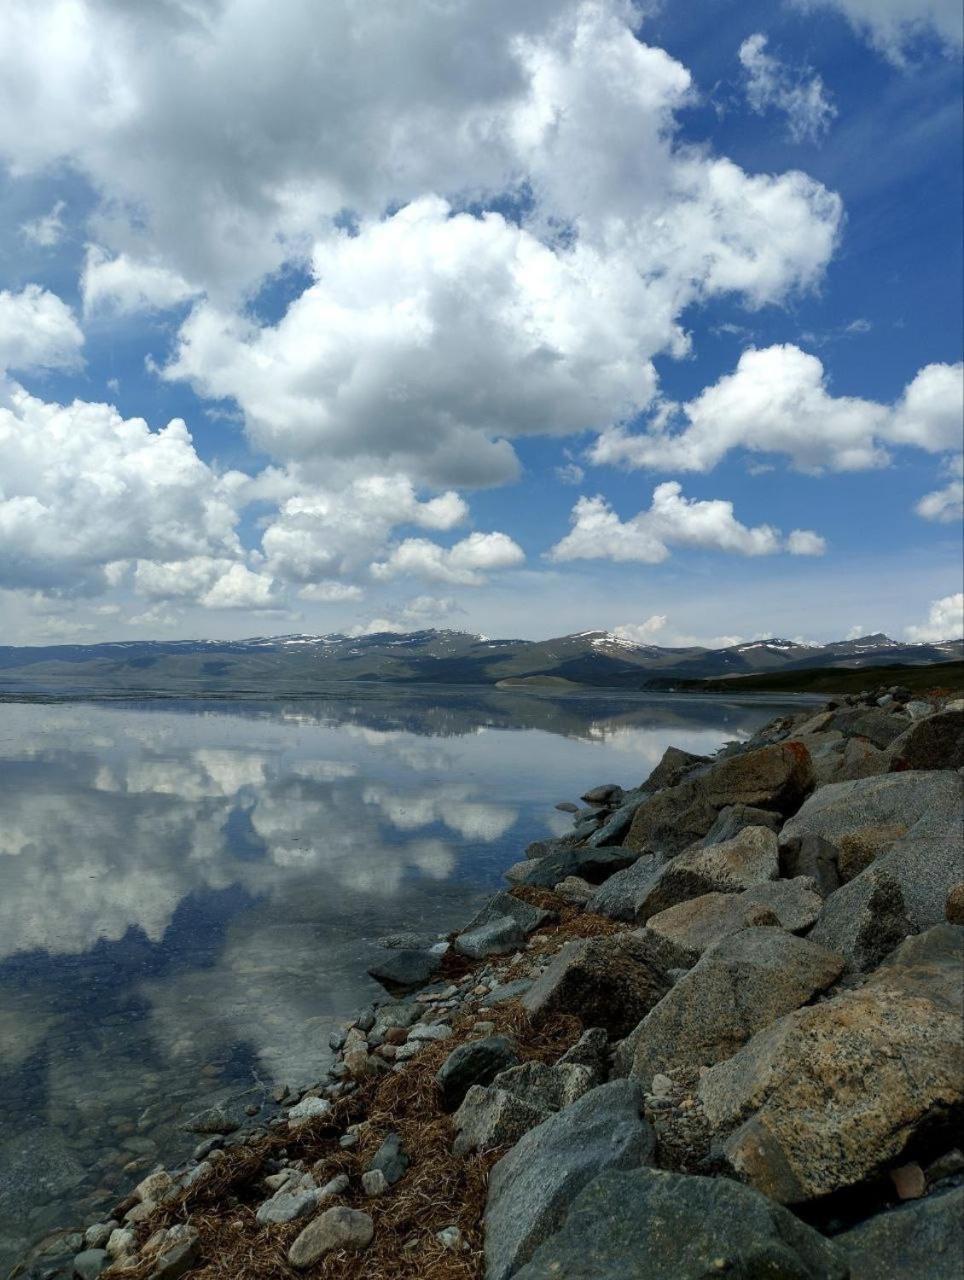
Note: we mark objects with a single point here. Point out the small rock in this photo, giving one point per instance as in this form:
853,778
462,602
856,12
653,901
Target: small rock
490,1118
121,1242
89,1264
662,1086
908,1181
451,1237
336,1228
498,936
390,1159
176,1261
308,1109
426,1031
287,1206
374,1182
401,970
97,1235
477,1062
566,806
575,890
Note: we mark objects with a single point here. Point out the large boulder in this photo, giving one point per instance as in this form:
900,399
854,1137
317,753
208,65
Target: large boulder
647,1224
934,743
693,926
622,896
547,1087
533,1186
876,725
775,777
490,1118
830,1095
607,982
916,1240
864,920
738,987
498,936
477,1062
645,888
892,804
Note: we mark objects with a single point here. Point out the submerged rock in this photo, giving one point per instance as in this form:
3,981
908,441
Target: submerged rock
405,970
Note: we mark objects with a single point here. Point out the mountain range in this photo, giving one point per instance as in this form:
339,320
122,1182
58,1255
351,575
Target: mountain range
300,663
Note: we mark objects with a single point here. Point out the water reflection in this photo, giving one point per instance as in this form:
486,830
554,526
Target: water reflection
189,892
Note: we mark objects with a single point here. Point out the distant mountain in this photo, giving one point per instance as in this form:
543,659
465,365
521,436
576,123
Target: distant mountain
300,663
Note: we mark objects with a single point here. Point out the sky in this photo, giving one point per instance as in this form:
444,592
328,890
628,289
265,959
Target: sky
520,318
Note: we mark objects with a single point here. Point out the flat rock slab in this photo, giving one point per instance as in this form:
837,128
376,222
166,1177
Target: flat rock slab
830,1095
738,987
526,916
696,925
405,970
587,862
647,1224
533,1186
916,1240
609,982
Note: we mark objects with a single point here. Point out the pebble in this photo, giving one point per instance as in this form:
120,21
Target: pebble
374,1182
336,1228
429,1031
909,1181
662,1085
450,1237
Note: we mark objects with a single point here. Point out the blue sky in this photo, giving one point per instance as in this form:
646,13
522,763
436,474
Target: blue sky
522,319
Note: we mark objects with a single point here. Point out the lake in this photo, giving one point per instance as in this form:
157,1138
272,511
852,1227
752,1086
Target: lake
190,891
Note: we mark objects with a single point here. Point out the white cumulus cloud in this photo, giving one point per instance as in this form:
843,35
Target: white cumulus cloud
467,563
37,331
598,533
799,93
777,401
124,286
945,620
48,229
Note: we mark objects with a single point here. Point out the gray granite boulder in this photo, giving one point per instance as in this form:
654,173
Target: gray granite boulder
647,1224
692,927
775,777
547,1087
892,803
731,821
532,1187
490,1118
936,742
672,768
738,987
404,970
526,916
864,920
498,936
589,862
909,1243
477,1062
611,982
832,1094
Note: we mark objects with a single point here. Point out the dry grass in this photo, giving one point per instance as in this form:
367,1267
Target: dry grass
438,1190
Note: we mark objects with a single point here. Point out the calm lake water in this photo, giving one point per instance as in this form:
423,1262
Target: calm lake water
190,892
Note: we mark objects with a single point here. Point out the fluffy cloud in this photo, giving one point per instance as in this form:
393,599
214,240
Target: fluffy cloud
320,533
37,331
211,581
330,591
124,286
597,532
654,631
83,490
896,26
947,504
798,93
945,620
429,337
467,563
776,401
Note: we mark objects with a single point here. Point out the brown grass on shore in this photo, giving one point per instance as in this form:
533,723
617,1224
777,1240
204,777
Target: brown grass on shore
438,1190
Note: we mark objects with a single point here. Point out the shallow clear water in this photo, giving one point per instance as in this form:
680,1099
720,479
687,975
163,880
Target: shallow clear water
190,892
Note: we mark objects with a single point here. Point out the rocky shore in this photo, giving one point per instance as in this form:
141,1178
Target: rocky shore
713,1031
